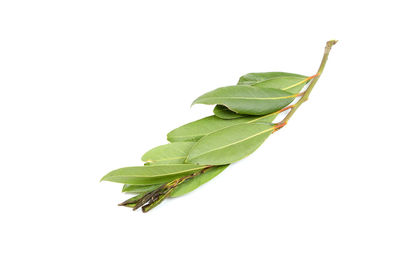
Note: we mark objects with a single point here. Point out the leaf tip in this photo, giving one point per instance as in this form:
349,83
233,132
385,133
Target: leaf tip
105,177
196,101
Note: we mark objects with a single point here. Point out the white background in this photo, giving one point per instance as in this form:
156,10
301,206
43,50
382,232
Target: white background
88,86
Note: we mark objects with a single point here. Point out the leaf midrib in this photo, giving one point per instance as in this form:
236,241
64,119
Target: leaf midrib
165,159
276,78
149,176
248,98
234,143
195,135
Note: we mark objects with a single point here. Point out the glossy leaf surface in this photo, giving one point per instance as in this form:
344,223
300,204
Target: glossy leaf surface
225,113
151,174
252,78
249,100
230,144
195,130
168,154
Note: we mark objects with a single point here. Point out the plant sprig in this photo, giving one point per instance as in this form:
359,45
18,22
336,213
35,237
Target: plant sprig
200,150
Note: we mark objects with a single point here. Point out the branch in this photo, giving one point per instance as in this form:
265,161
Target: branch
151,199
306,94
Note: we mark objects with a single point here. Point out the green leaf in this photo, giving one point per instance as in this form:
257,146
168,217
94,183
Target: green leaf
230,144
252,78
225,113
195,130
131,188
289,84
249,100
292,83
151,174
168,154
197,181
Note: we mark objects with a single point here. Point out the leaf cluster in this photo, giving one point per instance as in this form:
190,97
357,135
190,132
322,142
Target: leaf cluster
200,150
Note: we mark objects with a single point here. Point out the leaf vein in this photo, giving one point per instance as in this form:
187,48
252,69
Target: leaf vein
166,174
234,143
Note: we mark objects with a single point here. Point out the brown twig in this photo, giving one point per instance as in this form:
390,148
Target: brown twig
155,197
